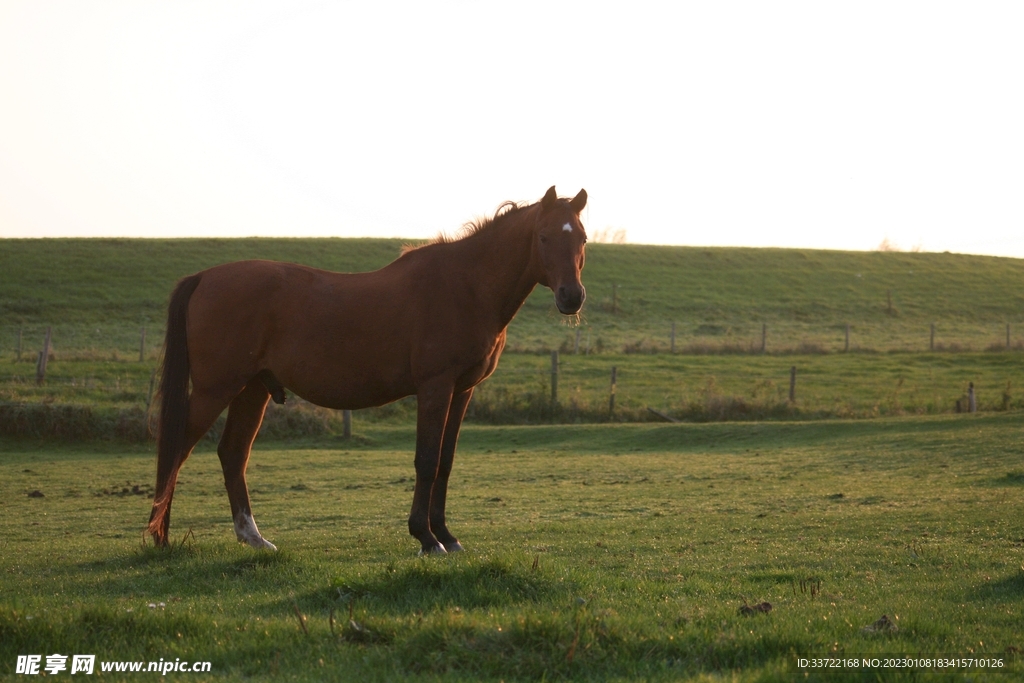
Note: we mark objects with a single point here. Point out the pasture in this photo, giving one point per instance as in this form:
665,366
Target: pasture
601,546
594,552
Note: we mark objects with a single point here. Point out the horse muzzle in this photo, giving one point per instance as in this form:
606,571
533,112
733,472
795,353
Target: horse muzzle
570,299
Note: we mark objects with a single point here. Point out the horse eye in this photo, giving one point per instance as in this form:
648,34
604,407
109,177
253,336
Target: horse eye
543,239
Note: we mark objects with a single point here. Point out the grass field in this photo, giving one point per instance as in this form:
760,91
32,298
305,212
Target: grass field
97,294
595,552
598,550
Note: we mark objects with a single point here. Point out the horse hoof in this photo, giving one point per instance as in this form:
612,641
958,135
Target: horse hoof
454,547
259,543
434,550
246,532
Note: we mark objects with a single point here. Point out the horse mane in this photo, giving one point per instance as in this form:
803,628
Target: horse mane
505,211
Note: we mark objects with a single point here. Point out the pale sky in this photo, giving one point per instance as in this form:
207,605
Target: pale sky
795,124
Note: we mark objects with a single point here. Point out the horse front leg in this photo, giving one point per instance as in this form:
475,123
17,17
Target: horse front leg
439,494
433,401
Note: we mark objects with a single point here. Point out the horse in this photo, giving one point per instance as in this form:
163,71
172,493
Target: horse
432,324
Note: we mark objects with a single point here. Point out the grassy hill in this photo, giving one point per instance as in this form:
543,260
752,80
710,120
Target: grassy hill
98,292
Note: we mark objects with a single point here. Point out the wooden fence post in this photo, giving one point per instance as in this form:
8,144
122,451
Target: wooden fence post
142,345
346,422
611,398
554,377
847,347
672,338
44,355
972,404
792,384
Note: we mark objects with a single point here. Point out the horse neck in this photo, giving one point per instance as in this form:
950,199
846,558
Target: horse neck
500,264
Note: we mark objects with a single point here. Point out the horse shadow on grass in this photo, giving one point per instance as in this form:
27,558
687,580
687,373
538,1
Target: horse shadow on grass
400,587
182,570
1007,588
1012,478
431,584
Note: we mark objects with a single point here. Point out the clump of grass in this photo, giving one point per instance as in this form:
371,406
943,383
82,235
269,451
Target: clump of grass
500,406
721,349
953,347
806,348
72,422
1000,346
642,346
298,418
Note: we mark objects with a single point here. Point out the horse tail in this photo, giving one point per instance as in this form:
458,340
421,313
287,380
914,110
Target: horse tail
172,432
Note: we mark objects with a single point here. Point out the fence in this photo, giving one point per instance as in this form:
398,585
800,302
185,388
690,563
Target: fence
571,388
782,337
97,342
573,385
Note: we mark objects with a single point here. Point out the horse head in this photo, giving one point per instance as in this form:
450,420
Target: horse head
559,241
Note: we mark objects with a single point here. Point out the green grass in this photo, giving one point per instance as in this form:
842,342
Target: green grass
596,551
97,399
647,540
98,293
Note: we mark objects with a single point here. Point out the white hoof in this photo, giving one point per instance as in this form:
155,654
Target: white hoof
246,532
261,544
455,547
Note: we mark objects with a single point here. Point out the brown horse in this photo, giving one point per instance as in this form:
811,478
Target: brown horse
432,323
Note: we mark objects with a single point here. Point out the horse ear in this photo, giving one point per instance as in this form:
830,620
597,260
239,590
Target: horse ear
549,200
579,201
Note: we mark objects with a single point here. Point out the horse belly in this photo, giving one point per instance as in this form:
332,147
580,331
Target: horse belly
347,389
352,373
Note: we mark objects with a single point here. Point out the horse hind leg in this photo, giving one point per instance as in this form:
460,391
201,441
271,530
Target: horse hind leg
245,414
203,411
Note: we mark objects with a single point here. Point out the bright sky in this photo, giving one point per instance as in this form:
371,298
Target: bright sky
797,124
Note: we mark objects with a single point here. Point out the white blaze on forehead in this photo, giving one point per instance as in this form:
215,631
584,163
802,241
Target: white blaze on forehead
567,228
